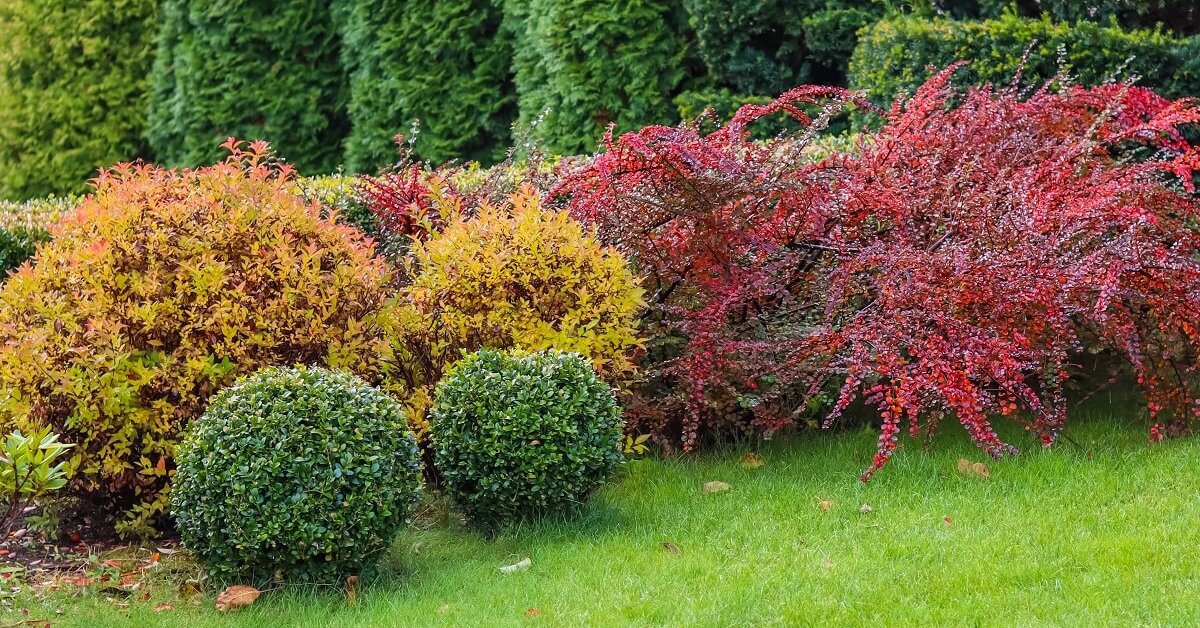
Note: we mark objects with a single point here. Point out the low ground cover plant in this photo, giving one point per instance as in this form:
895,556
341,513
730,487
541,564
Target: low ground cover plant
160,289
32,468
518,435
296,474
925,275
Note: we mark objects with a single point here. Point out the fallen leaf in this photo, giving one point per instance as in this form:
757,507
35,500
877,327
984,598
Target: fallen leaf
966,467
533,612
525,563
715,487
443,609
828,564
948,521
673,548
166,551
352,589
158,608
825,505
865,509
752,460
236,597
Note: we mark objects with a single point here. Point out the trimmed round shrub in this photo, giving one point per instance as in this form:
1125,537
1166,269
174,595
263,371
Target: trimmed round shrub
302,472
160,289
518,435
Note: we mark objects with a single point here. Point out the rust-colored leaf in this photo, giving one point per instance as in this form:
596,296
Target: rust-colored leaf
825,505
673,548
236,597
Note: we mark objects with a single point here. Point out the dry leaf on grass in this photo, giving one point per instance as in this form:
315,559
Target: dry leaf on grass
825,505
966,467
158,608
352,589
948,521
673,548
866,508
715,487
533,612
236,597
752,460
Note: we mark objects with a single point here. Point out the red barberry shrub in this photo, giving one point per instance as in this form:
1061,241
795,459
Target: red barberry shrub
958,264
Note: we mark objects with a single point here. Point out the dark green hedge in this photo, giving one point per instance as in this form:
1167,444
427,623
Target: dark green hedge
439,62
593,63
764,47
72,90
894,54
253,70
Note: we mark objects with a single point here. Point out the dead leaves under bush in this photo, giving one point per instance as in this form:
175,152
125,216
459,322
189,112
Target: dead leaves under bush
236,597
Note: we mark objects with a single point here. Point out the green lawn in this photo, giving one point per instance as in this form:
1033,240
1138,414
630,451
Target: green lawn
1103,532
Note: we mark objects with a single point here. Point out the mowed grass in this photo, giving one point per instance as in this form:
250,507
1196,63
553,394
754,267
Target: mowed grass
1101,531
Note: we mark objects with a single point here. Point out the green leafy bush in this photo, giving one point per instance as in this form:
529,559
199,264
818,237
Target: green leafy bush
304,472
254,70
591,63
338,194
894,55
73,90
440,62
517,435
30,468
25,225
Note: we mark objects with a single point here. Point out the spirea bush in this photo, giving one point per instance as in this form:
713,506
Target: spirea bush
519,435
303,472
956,265
510,275
161,288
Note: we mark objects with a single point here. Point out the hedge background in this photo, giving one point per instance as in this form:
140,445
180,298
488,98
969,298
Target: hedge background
86,83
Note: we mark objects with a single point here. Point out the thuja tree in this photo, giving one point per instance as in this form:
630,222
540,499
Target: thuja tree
72,90
925,276
590,64
262,70
441,63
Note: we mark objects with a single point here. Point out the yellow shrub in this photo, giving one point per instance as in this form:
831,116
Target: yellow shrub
509,276
161,288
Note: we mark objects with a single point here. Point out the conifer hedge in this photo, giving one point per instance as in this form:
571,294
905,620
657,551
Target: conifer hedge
591,63
252,70
442,63
72,90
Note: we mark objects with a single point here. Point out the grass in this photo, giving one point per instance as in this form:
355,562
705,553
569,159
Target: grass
1101,531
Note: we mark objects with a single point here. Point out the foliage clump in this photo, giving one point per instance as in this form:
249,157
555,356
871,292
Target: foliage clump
509,275
519,435
299,474
161,288
922,274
